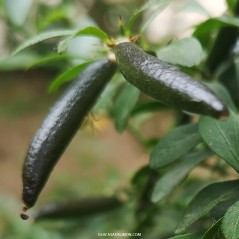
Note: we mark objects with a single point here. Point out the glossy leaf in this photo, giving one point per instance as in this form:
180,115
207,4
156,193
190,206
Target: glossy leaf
66,76
87,31
186,52
168,182
42,37
124,105
222,207
92,31
206,200
230,223
222,137
214,232
160,4
175,144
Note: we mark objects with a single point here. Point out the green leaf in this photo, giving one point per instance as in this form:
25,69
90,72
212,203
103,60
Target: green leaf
87,31
214,232
231,4
67,76
141,176
167,183
153,3
160,4
222,137
188,236
223,94
175,144
186,52
221,208
229,20
42,37
203,30
92,31
206,200
124,104
230,223
62,45
229,78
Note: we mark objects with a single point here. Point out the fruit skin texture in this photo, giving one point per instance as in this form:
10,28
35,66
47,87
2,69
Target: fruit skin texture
60,125
165,83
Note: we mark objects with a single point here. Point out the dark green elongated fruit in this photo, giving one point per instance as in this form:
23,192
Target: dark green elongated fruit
59,126
78,208
165,83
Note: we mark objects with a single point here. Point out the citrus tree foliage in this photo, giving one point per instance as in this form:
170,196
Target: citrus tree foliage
169,188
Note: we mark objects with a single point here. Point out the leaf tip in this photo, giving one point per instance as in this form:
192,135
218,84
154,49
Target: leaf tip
51,89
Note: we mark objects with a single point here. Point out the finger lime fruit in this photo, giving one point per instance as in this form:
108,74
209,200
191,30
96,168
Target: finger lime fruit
59,127
165,83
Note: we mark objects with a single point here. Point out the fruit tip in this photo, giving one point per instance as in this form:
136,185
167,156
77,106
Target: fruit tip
224,115
23,214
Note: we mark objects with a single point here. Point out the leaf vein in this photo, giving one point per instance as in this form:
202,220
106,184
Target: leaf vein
226,140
